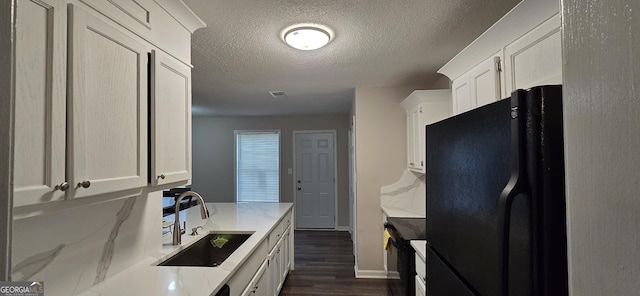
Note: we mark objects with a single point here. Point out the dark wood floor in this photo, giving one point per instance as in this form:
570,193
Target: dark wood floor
324,266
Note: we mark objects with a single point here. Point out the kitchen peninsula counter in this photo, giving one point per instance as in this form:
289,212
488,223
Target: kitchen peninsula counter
146,278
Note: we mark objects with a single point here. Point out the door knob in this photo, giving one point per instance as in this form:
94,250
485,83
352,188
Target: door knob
162,176
298,181
299,188
62,187
84,184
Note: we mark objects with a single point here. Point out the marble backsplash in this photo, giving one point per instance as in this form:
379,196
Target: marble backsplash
74,249
406,197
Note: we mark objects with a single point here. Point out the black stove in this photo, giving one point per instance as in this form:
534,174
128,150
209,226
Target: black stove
401,257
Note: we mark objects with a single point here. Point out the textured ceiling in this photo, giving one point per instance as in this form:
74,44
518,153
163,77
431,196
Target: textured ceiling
239,57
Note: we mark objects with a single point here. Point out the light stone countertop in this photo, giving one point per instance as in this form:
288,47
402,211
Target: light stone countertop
398,212
145,278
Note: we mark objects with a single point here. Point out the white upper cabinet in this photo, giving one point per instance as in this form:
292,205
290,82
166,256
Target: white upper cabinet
461,94
423,107
171,120
521,50
107,107
84,82
485,81
39,157
535,58
478,87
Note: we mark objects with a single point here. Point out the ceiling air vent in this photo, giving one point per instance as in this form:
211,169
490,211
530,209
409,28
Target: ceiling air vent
278,94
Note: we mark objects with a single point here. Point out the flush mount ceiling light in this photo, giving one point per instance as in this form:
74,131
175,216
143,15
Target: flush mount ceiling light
306,37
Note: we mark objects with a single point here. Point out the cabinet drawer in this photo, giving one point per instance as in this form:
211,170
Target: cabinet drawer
286,221
277,231
275,235
421,268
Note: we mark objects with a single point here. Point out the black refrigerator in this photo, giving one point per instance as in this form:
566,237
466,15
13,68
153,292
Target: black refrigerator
496,221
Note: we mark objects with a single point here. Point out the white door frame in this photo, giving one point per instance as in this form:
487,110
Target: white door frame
353,224
294,187
7,100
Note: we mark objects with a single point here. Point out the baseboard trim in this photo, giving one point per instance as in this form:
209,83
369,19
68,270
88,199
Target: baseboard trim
369,274
342,228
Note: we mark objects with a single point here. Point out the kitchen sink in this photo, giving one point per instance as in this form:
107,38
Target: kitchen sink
210,250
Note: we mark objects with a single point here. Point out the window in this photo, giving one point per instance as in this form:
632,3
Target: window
257,166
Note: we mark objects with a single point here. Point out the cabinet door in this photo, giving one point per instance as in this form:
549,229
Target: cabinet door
484,82
418,139
461,95
274,270
39,151
171,120
413,134
259,285
284,256
535,58
421,290
107,107
410,140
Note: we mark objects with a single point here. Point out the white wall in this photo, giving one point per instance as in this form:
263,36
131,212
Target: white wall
214,154
601,49
381,154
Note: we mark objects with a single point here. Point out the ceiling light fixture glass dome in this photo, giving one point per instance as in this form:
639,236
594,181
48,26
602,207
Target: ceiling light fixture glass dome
307,37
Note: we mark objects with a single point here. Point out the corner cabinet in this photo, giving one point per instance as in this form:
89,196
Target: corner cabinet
423,107
106,107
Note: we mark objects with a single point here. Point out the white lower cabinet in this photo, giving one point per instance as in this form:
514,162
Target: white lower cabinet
259,284
421,268
285,260
279,262
421,289
274,256
275,277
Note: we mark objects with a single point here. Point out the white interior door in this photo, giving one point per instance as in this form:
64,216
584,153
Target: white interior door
315,179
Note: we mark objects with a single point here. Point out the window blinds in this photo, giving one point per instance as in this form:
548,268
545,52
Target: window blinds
257,166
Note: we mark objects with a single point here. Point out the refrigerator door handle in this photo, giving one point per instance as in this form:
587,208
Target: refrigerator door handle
517,184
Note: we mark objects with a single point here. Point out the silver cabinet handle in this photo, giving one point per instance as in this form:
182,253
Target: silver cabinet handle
162,176
84,184
62,186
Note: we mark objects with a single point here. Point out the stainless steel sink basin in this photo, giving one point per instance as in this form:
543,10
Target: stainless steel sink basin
210,250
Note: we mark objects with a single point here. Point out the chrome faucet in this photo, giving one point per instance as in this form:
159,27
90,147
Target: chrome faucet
204,213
